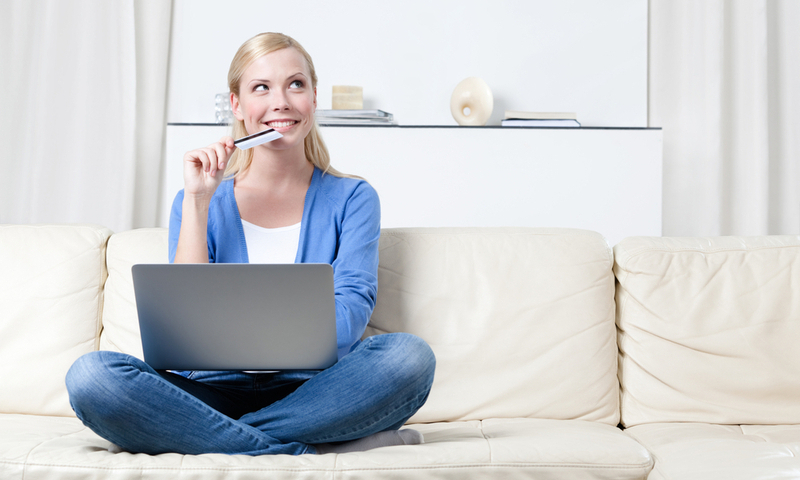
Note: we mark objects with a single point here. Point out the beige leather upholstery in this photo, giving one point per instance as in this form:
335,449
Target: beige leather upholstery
485,300
522,324
50,448
120,322
709,329
521,320
700,451
51,296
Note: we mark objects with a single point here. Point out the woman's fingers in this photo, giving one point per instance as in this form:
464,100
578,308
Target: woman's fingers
211,163
197,159
221,155
228,142
225,149
203,164
217,155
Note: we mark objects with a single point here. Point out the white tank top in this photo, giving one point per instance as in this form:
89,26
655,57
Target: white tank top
271,245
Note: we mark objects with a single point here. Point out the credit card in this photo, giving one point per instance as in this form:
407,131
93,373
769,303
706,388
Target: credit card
257,138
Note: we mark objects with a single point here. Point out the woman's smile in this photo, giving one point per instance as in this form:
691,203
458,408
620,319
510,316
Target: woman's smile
281,125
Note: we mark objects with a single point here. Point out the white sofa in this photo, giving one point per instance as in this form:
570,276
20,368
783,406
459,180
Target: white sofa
540,355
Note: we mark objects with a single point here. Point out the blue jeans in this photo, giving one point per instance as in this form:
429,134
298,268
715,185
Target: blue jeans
376,387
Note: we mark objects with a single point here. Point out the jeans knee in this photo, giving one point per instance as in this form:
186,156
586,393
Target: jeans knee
410,357
79,379
91,376
421,356
81,373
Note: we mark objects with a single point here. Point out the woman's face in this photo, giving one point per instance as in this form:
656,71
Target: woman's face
275,92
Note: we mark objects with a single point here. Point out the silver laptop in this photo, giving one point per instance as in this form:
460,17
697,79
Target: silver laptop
236,316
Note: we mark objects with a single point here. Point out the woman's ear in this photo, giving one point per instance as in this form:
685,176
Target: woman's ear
236,107
315,99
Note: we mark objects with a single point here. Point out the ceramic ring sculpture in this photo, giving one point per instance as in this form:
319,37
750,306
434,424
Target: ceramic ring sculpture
472,102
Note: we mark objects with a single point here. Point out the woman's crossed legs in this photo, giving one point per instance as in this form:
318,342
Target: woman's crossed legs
375,388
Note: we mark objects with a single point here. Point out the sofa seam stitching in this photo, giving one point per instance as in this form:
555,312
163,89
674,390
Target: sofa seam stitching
486,439
653,456
646,250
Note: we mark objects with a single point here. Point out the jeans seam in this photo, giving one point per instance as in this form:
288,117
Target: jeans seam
365,425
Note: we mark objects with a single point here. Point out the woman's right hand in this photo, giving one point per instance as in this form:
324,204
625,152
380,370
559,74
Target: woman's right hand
204,168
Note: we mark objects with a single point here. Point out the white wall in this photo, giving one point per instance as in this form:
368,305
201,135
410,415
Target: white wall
601,179
583,56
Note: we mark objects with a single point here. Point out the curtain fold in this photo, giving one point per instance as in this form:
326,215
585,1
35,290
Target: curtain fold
85,83
724,85
153,21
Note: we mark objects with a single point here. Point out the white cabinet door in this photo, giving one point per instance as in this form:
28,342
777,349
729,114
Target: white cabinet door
602,179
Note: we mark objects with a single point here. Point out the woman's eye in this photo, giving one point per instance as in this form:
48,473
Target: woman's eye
261,88
297,84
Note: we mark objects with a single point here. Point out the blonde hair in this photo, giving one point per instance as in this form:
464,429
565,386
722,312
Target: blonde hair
254,48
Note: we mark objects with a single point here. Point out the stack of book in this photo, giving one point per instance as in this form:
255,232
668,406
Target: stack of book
354,117
539,119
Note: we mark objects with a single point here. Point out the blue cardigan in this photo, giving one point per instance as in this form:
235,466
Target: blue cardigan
340,227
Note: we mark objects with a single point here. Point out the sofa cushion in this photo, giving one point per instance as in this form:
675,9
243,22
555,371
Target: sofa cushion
709,329
45,448
521,319
51,297
120,322
699,451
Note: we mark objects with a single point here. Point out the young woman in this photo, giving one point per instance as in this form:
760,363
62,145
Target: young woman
277,202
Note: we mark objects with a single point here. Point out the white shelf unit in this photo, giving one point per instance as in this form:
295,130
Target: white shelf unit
604,179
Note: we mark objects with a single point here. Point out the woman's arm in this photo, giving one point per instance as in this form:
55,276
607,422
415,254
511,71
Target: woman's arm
202,173
356,266
192,244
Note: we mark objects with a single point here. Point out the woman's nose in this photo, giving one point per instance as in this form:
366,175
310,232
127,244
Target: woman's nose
280,102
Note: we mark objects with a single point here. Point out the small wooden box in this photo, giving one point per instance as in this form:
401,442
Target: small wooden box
348,97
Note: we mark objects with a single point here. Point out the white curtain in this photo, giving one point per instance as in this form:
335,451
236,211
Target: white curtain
84,99
724,83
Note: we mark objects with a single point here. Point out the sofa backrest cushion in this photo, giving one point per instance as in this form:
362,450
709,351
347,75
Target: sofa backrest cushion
709,329
120,321
521,319
51,295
